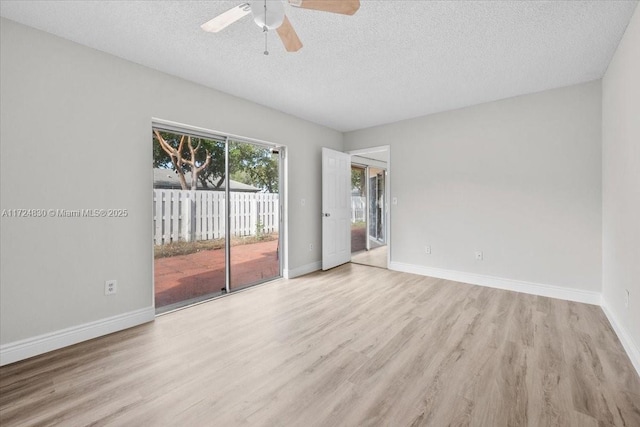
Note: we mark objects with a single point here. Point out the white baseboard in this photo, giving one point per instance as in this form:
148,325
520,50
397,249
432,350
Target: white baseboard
301,271
632,349
577,295
20,350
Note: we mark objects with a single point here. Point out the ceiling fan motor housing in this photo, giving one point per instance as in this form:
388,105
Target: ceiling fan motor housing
267,13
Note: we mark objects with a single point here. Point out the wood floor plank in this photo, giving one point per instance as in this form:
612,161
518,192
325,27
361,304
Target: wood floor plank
352,346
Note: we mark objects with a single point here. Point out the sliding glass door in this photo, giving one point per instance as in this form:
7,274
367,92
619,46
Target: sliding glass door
216,213
358,208
254,214
377,206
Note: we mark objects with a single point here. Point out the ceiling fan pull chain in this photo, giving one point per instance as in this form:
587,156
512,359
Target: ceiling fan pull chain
265,29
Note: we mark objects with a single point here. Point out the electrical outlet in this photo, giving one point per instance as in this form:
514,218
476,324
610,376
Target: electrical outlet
394,201
626,298
110,287
479,256
427,250
303,202
310,247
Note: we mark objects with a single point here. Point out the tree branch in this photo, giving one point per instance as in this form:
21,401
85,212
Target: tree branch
174,155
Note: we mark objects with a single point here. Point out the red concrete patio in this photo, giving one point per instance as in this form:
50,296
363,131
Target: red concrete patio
358,238
186,277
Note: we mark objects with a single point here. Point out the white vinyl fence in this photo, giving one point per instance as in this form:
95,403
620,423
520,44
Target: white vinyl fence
358,204
183,215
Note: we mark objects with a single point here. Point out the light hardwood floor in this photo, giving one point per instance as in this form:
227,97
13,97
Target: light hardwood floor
355,346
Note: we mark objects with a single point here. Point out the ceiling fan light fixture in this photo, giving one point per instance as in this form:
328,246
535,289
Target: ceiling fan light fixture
269,14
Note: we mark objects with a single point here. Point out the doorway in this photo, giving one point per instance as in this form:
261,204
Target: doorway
369,207
217,214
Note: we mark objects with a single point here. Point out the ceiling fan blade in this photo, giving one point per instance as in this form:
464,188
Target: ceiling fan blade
345,7
227,18
288,36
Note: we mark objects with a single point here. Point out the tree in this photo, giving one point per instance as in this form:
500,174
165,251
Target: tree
248,163
184,158
254,165
358,179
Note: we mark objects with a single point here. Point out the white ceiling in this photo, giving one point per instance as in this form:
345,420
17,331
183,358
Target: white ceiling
392,60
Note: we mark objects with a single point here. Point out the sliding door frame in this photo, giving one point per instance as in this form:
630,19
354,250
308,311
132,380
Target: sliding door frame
226,138
227,219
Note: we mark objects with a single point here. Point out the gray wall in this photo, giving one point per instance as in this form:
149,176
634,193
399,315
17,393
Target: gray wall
621,185
518,179
76,133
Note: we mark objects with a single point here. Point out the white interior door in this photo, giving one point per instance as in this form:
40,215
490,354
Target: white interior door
336,208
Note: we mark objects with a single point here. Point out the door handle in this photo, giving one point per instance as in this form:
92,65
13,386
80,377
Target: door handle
326,214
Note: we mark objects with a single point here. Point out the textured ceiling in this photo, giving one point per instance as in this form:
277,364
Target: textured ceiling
392,60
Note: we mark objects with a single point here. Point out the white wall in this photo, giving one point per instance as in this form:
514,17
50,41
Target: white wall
518,179
76,133
621,188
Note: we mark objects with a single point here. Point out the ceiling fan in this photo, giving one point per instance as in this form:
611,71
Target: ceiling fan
269,15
